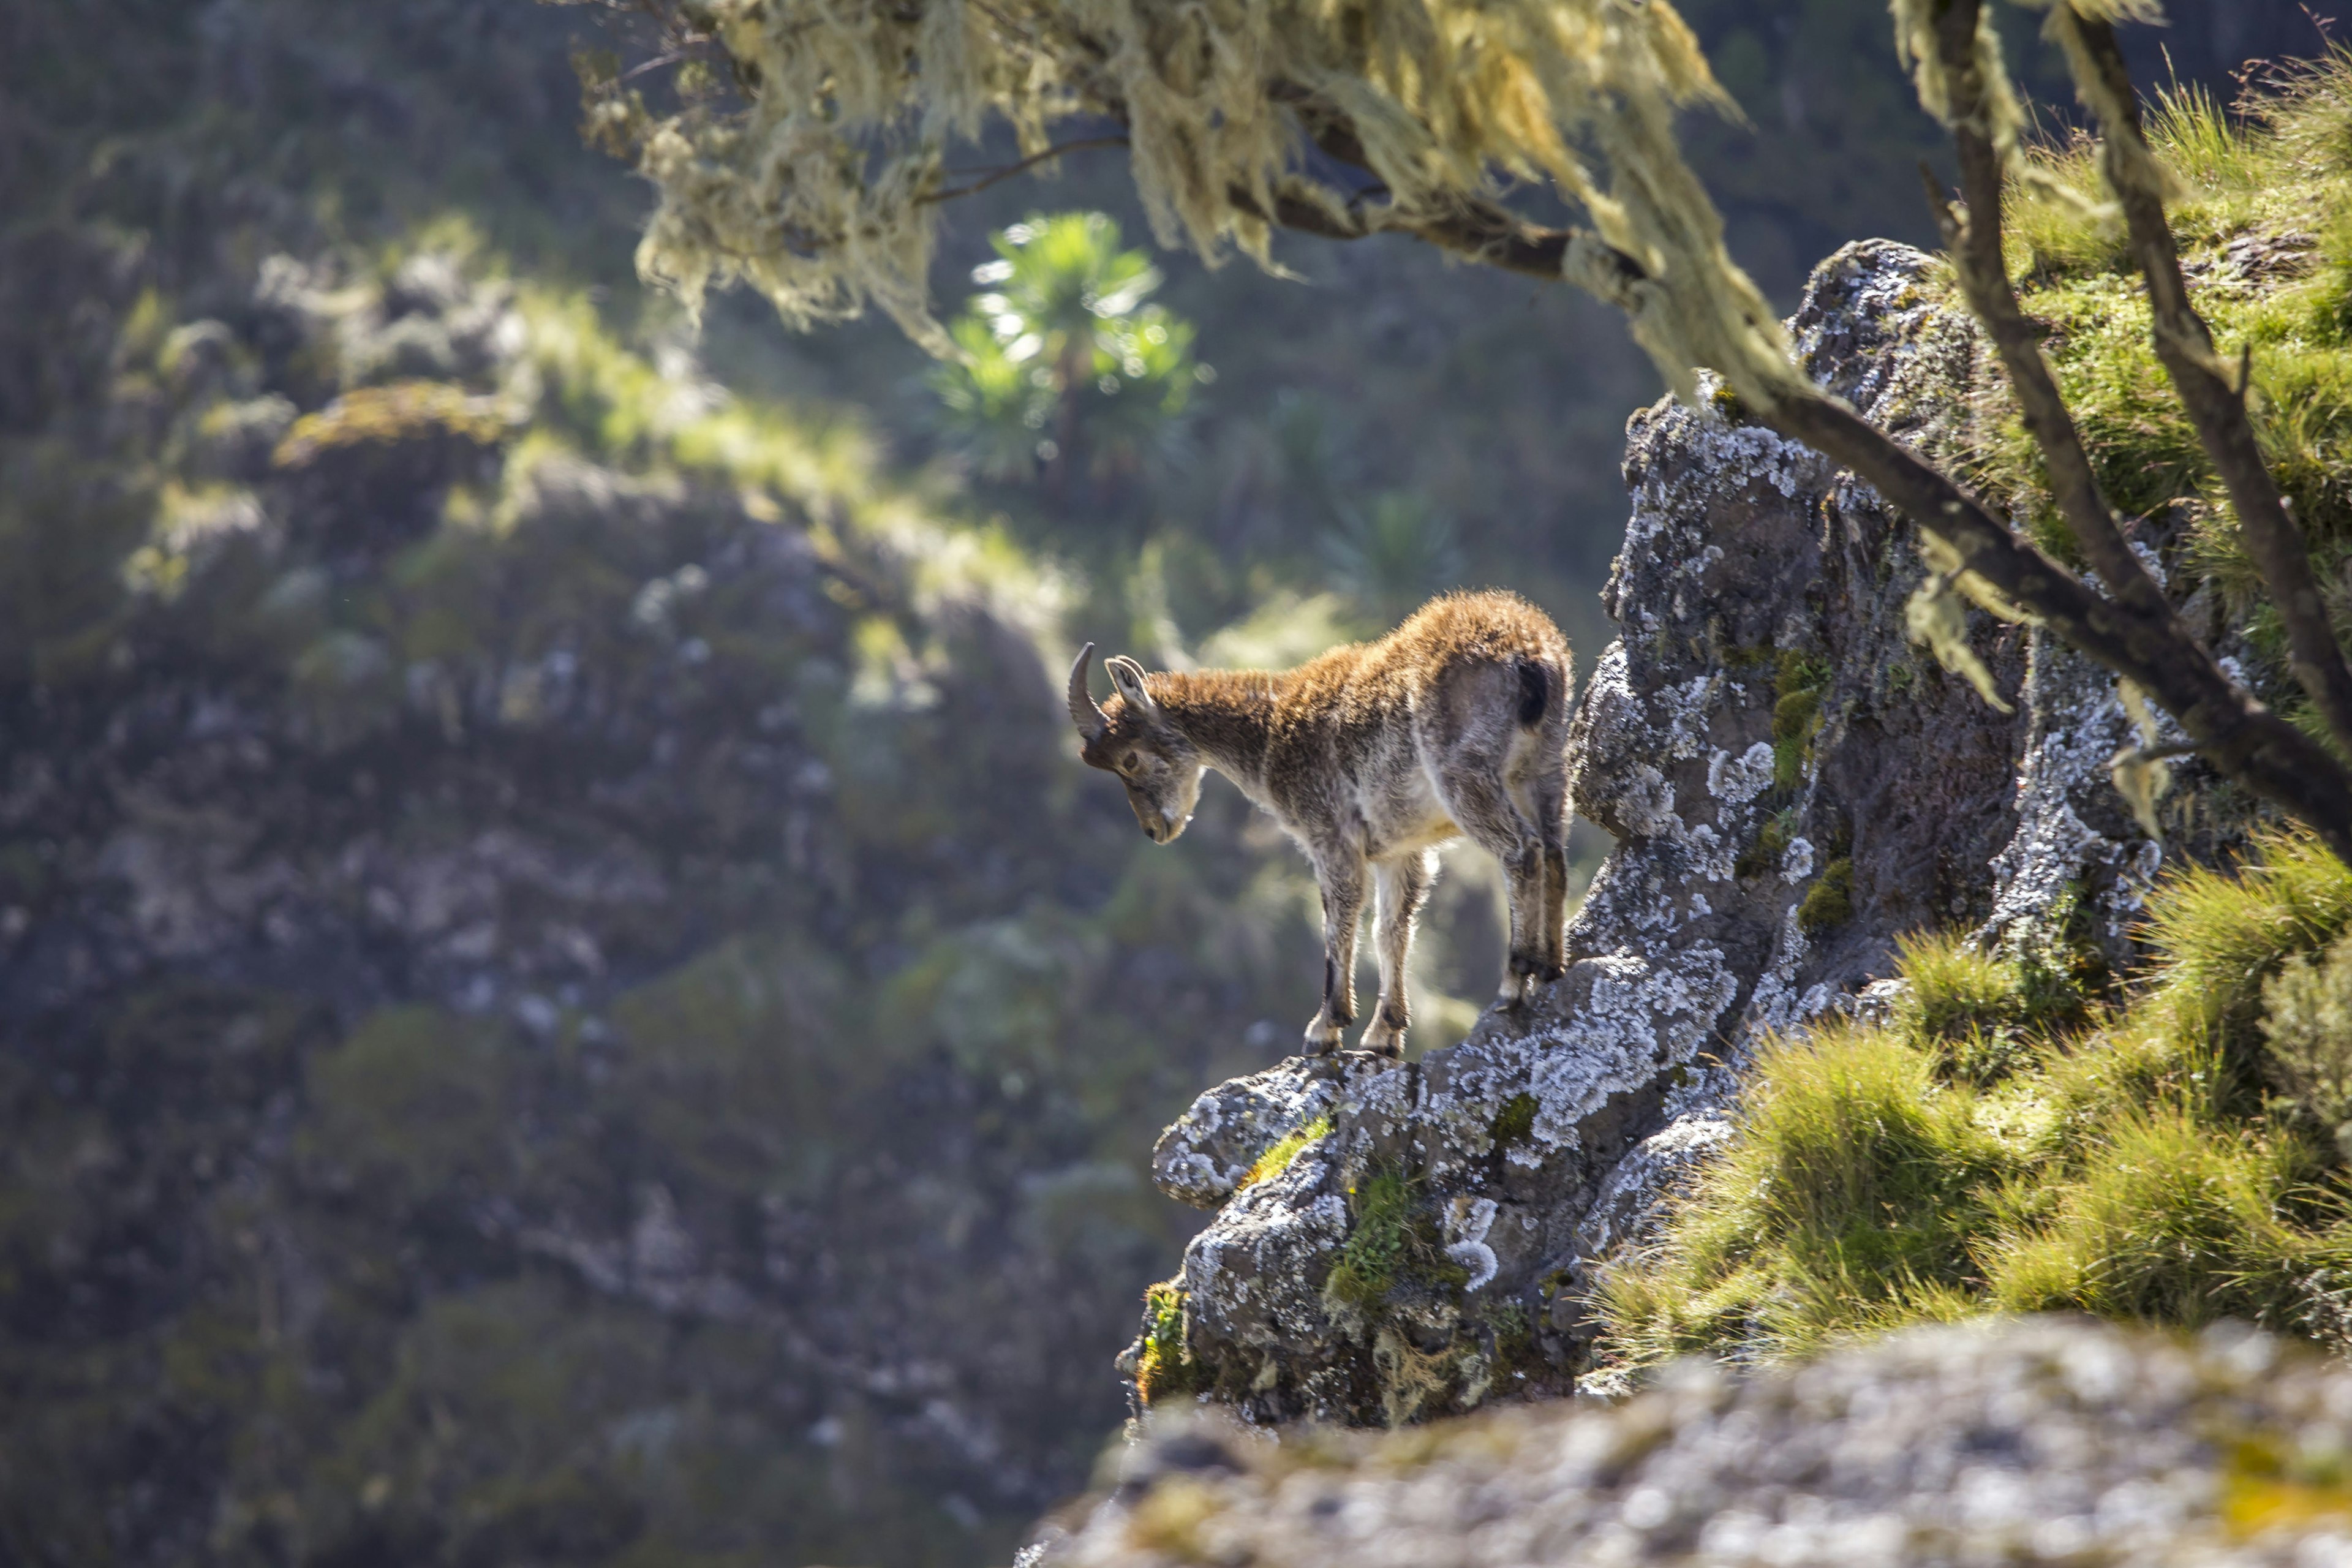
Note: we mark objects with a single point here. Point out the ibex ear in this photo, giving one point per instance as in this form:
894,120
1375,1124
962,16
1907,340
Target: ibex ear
1128,676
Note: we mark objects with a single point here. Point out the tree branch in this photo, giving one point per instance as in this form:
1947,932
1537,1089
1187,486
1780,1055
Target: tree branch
2217,407
1973,237
2244,740
2137,635
998,176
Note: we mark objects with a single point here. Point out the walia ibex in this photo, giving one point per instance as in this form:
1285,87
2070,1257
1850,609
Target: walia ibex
1369,757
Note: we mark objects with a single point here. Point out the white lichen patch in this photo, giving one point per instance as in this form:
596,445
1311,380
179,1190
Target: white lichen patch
1797,861
1467,1221
1740,780
2077,722
1204,1154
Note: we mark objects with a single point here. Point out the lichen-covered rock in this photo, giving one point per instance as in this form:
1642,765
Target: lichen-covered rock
2049,1441
1791,786
1202,1156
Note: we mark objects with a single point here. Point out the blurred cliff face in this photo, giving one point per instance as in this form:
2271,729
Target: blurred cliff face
556,994
561,998
557,997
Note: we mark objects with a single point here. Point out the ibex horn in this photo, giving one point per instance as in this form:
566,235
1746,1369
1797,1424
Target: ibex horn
1083,712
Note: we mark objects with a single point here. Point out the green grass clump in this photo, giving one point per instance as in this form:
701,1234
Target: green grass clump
1167,1367
1856,1180
2167,1220
1393,1246
2222,936
1980,1014
1276,1159
1828,903
2001,1143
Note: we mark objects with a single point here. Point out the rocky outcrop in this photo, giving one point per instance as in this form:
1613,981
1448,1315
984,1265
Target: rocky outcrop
2053,1441
1791,785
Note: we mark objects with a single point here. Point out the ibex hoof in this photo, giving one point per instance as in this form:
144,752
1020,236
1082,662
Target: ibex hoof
1384,1042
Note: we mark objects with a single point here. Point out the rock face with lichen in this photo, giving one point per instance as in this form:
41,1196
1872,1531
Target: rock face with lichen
1791,785
2053,1441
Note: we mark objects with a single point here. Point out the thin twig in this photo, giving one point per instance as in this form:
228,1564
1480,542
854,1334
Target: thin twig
1001,175
654,64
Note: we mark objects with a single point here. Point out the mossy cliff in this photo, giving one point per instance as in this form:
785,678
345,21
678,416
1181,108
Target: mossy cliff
1793,787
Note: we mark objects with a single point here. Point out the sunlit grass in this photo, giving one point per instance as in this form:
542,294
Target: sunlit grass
2122,1160
2262,215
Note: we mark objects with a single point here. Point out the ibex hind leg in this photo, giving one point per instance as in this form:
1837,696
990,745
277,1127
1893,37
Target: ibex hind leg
1552,823
1481,805
1399,888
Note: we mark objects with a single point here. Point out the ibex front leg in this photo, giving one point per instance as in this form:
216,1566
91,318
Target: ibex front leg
1340,875
1399,888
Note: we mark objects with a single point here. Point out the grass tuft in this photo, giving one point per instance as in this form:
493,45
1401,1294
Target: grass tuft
1276,1159
2168,1220
2000,1144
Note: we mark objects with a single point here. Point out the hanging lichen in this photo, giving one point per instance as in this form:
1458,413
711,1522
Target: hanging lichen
819,183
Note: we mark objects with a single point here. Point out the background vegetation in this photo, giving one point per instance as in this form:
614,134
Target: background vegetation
561,998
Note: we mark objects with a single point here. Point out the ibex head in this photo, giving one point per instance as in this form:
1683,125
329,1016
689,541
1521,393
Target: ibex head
1134,738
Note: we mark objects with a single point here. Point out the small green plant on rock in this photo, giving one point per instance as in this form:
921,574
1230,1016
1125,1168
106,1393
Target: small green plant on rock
1515,1123
1276,1159
1798,685
1392,1244
1167,1368
1828,903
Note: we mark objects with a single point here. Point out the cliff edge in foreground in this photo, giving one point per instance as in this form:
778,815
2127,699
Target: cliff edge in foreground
2051,1441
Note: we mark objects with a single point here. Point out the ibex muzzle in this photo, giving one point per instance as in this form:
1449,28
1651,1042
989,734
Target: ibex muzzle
1370,756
